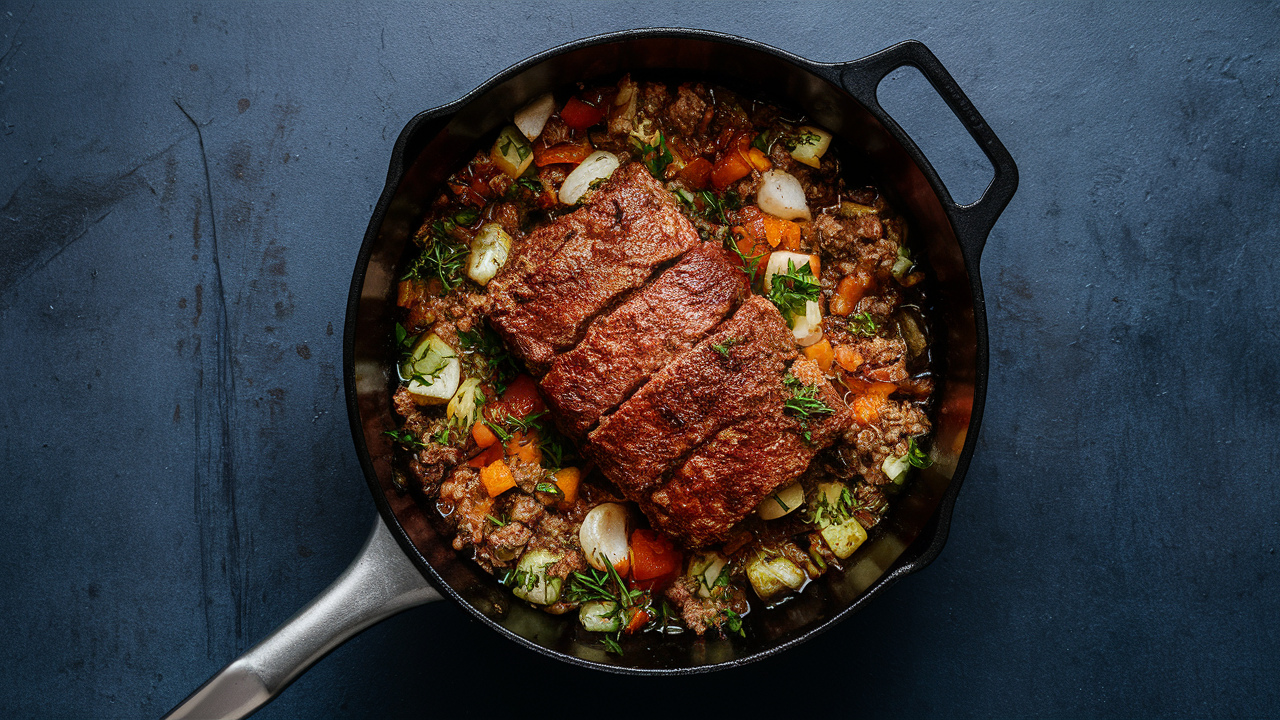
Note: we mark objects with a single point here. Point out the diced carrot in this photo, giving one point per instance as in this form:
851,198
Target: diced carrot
638,620
758,160
734,164
869,398
483,436
565,152
820,353
697,173
491,454
525,447
497,478
848,358
567,480
778,231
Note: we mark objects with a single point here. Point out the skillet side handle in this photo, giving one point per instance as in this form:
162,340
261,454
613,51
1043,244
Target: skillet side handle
973,222
379,583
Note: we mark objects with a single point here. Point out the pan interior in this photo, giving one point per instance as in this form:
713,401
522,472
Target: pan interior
437,143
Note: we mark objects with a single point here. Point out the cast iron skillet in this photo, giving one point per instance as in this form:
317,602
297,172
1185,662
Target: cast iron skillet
407,545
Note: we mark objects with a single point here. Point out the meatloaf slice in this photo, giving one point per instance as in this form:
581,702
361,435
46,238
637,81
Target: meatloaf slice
718,382
624,348
730,475
571,269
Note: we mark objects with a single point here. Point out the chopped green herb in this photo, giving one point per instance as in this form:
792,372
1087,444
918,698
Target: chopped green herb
714,206
404,437
503,435
916,456
442,437
550,488
750,263
790,291
655,157
804,403
863,325
611,644
466,216
802,138
501,367
496,521
531,183
723,346
444,258
778,499
404,341
764,141
732,621
826,514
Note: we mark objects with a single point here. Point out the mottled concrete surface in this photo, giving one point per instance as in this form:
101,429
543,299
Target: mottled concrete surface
184,187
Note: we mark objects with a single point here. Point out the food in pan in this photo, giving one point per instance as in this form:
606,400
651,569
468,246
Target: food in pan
663,357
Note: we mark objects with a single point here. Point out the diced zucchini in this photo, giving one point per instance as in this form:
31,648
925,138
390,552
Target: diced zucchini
532,582
512,152
600,616
772,575
489,252
705,569
844,538
432,370
781,502
811,143
896,468
903,264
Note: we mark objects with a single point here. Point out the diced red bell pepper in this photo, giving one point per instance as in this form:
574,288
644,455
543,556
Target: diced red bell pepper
565,152
580,115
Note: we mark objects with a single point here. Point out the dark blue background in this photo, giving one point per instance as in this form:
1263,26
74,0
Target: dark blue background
1113,551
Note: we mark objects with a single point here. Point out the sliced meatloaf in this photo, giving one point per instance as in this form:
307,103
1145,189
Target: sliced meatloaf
570,270
624,348
721,380
727,477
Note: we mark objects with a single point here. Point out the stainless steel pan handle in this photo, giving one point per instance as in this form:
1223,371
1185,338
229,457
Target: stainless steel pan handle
972,222
379,583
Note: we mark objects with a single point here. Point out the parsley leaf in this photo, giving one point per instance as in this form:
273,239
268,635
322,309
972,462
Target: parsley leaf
790,291
443,258
655,157
723,346
404,437
916,456
804,403
863,325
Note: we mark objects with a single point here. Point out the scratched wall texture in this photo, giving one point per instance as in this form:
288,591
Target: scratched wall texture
184,187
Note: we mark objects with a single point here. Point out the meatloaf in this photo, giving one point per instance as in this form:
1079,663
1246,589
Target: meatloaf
570,270
719,381
732,473
624,348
